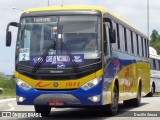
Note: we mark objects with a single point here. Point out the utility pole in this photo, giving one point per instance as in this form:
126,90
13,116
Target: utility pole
48,2
148,18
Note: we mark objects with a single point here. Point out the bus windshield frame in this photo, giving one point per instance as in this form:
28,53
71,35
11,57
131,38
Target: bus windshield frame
75,30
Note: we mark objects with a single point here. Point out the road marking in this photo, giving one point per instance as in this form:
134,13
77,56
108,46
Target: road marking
11,107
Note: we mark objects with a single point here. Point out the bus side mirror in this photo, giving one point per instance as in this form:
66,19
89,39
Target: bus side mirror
8,38
112,36
9,34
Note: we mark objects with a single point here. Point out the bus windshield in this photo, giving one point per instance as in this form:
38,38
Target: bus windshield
80,35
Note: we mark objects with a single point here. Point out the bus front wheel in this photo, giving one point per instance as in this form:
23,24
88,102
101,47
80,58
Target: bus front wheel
44,110
112,108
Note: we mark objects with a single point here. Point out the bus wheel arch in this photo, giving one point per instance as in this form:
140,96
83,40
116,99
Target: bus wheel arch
112,108
136,101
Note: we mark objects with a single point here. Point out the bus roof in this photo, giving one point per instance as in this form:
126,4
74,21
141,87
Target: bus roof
155,57
67,8
99,8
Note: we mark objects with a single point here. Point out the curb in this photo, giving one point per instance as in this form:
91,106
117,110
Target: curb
7,100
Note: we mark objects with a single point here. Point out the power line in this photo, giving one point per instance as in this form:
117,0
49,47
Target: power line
48,2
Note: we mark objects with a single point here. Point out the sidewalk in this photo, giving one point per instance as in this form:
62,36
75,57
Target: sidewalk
7,100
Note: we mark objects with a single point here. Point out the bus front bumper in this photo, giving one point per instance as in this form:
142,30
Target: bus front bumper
70,98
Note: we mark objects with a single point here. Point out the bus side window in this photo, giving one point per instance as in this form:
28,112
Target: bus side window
129,41
121,36
157,65
135,43
132,45
151,61
154,64
106,41
114,45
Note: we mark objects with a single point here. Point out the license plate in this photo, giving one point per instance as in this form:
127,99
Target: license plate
56,103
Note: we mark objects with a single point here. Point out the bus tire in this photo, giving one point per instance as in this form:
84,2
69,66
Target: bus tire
152,91
112,108
134,102
44,110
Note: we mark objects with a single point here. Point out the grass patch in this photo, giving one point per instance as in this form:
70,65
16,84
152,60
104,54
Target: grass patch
8,93
8,85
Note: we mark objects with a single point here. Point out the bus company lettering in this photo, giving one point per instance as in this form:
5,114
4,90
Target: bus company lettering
55,59
42,20
72,84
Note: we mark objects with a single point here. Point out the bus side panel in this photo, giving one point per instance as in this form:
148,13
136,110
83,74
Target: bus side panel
128,70
143,72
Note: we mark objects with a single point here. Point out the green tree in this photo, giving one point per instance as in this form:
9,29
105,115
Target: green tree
154,36
155,41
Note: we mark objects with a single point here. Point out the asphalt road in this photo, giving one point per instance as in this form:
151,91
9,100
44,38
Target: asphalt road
149,106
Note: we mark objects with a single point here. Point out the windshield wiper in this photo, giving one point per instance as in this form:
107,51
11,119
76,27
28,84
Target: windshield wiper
76,67
40,61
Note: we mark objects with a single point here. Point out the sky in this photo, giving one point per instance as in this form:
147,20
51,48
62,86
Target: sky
135,11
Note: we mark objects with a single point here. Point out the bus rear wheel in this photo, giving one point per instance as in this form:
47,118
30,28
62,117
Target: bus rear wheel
44,110
152,91
134,102
112,108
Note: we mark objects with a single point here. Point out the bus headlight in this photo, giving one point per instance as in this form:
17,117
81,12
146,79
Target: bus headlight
91,83
22,84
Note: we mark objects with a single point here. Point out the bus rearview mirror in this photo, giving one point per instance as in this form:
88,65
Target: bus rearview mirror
8,38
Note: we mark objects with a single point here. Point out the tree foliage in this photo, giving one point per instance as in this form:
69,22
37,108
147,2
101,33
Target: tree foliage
155,40
6,82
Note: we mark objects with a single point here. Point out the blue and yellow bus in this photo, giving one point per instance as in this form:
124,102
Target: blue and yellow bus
79,56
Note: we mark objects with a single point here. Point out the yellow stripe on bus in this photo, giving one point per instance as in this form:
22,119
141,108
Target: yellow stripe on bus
58,84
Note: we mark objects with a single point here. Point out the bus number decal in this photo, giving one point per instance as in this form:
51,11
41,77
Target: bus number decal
72,84
24,54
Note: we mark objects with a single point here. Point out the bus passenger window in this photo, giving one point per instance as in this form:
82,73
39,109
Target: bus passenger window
118,39
129,41
125,40
132,42
137,44
142,47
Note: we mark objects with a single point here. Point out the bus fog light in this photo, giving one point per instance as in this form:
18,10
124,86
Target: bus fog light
20,99
95,98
